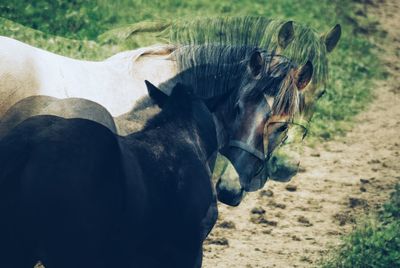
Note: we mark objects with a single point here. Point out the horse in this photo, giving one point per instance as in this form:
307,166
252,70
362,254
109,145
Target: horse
306,44
75,194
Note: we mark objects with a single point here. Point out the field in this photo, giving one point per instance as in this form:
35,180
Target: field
331,215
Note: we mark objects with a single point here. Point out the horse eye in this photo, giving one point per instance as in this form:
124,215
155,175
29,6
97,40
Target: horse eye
282,128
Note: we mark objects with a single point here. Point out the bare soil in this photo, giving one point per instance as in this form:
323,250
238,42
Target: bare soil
295,224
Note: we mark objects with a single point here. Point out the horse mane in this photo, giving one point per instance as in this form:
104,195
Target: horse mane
225,68
250,31
212,70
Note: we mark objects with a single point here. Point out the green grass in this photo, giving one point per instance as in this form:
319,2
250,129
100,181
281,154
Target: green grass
72,28
374,243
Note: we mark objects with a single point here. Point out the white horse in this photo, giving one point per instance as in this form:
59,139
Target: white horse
116,83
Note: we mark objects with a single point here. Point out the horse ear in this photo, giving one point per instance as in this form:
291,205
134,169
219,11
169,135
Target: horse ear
256,63
331,38
156,94
304,75
286,34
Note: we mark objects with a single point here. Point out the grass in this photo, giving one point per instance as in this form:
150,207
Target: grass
72,28
374,243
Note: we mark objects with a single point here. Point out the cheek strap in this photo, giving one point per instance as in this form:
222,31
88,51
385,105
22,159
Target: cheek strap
247,148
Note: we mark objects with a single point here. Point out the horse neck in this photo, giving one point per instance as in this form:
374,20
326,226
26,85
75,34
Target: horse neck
207,129
196,127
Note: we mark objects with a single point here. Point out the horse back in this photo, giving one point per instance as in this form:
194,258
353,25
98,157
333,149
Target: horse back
61,180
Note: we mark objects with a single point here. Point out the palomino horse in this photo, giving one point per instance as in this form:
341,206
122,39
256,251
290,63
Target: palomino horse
74,194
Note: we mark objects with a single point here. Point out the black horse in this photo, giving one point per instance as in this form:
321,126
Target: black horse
73,194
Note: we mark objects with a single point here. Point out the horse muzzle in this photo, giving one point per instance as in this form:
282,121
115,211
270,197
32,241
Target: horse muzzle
255,180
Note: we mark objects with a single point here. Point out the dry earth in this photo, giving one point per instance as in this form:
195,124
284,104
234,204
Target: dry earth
294,225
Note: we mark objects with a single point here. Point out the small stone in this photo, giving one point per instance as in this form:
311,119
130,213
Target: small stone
267,193
296,238
217,241
363,189
356,202
344,217
333,232
258,210
227,225
315,154
277,205
280,205
262,220
304,221
291,187
364,181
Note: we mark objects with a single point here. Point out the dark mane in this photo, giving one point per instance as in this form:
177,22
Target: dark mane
212,70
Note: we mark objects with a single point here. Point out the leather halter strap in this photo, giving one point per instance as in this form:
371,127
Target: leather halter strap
245,147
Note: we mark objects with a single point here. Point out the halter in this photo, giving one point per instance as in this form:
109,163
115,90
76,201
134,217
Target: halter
245,147
250,149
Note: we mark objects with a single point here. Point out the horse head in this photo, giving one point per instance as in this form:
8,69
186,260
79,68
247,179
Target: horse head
269,92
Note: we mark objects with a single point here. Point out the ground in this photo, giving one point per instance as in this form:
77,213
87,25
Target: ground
295,224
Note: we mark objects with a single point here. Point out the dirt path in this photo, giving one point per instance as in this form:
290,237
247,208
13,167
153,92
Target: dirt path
340,179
